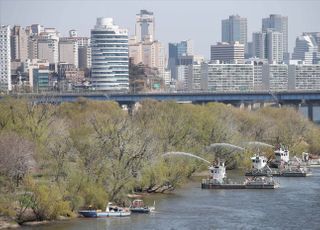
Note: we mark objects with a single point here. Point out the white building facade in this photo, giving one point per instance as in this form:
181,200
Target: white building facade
68,51
5,56
110,61
304,77
228,77
275,77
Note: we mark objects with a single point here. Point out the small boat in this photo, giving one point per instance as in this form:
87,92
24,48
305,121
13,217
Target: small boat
138,206
111,211
88,213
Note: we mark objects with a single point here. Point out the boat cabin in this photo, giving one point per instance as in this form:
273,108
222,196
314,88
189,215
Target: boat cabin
218,171
258,162
282,155
137,203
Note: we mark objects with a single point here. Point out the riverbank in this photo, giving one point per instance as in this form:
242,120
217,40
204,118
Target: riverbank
228,209
6,223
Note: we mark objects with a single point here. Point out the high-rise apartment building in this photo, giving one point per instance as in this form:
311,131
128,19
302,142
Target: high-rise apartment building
195,78
110,61
304,77
234,29
228,77
84,50
306,50
232,53
279,24
36,29
275,77
48,49
47,45
5,55
19,43
145,26
151,54
68,51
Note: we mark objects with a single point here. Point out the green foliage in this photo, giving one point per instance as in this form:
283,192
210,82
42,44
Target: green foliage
87,153
45,200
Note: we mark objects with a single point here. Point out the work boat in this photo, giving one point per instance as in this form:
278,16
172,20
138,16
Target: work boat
218,180
111,211
310,160
138,206
281,157
259,166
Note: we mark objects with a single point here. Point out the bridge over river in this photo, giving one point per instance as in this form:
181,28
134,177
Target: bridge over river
308,102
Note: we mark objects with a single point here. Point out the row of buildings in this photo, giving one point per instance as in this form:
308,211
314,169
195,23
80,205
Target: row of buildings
39,59
254,75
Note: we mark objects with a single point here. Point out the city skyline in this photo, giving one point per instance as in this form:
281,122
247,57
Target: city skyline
196,19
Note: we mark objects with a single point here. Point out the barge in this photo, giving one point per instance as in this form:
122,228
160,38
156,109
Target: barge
285,168
218,180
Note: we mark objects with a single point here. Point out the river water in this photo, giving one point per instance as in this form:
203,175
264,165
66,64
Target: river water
295,205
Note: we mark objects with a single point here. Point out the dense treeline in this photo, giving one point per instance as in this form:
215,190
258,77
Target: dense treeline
57,159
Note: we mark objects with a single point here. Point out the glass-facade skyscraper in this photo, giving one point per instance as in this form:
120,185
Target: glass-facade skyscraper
277,23
234,29
110,61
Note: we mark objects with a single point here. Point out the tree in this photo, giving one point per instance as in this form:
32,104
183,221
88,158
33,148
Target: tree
16,157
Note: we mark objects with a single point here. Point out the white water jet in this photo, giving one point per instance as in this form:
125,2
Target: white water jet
186,154
258,143
226,145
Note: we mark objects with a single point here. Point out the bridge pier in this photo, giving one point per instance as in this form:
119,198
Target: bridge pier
310,111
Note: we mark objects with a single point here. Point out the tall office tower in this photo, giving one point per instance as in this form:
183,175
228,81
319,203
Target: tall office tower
274,47
5,54
268,45
19,43
143,48
316,36
234,29
277,23
232,53
306,50
68,51
110,61
177,52
145,26
258,45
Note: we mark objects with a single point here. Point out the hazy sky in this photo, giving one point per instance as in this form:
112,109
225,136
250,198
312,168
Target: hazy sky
175,19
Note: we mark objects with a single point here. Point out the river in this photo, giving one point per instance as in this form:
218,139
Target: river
295,205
